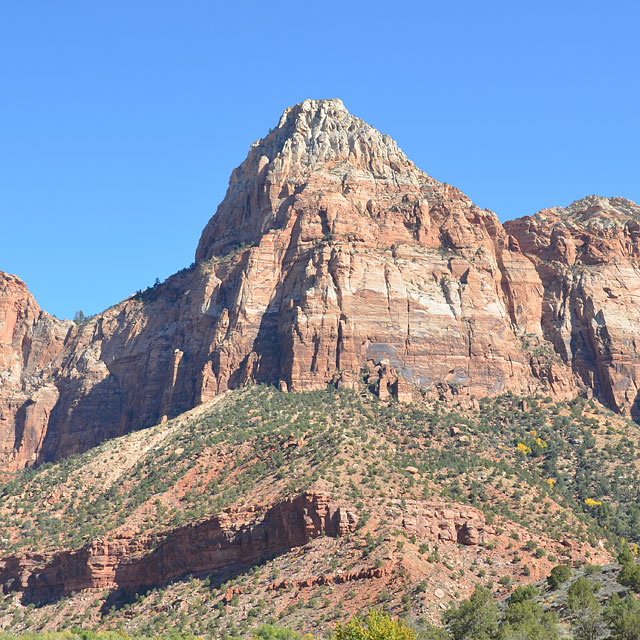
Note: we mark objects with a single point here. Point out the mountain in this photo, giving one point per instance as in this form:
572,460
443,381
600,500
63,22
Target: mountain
587,258
364,392
332,252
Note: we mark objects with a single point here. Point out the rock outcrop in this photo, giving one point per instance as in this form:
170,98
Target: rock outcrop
587,258
31,341
330,251
465,526
129,562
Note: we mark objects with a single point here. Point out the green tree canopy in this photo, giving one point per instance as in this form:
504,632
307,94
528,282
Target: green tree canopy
559,575
375,626
475,618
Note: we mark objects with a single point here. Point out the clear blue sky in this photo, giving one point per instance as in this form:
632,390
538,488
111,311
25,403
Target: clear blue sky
120,122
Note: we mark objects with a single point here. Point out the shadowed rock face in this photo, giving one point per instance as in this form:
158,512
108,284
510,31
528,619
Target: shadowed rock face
231,539
30,343
330,251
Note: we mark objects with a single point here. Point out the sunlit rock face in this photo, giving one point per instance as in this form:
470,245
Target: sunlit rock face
332,252
587,257
129,561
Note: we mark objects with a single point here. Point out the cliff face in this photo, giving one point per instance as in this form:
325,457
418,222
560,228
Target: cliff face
330,252
129,562
587,258
30,343
359,256
237,539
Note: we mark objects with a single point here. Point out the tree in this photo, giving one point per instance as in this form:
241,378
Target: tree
623,618
271,632
525,620
581,595
559,575
430,631
522,593
625,556
629,576
584,605
475,618
588,624
376,626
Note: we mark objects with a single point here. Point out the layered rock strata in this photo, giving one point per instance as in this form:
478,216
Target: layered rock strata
332,253
587,258
129,562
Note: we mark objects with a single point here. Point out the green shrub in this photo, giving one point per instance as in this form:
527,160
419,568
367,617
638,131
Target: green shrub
272,632
625,556
629,576
590,569
559,575
581,595
623,618
523,593
527,620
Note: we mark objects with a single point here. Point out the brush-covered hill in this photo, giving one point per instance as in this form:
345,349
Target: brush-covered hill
305,508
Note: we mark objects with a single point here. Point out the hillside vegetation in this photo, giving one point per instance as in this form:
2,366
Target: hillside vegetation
543,482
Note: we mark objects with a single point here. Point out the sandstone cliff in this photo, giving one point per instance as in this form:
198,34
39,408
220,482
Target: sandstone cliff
129,562
586,256
330,252
30,343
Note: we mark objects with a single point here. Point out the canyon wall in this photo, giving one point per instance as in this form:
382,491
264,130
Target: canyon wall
332,251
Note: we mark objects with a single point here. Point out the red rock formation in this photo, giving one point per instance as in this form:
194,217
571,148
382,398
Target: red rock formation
587,258
339,578
129,562
464,526
331,250
30,342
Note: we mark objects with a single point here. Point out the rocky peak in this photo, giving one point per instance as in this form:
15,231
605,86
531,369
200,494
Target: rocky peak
332,253
592,230
317,132
22,322
318,147
592,212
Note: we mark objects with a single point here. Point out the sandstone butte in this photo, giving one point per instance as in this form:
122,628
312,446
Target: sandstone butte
331,252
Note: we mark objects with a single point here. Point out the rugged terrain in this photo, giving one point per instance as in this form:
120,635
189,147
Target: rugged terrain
365,391
332,251
306,508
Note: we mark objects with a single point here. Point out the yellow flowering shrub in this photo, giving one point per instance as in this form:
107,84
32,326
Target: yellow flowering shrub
376,626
